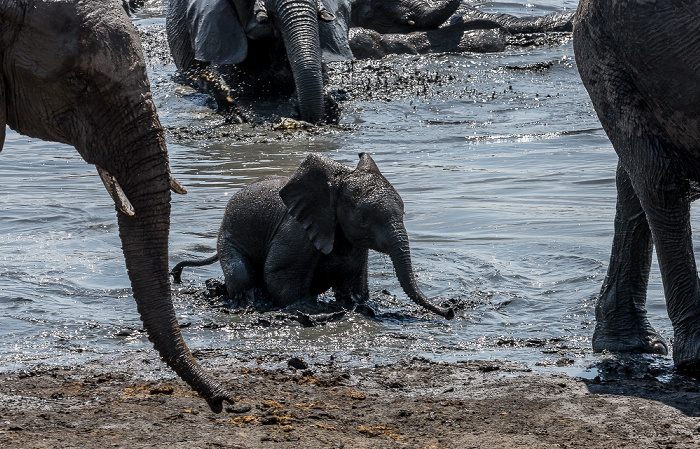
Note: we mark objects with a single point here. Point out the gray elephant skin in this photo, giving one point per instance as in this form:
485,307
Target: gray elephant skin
73,72
640,62
291,239
468,30
273,47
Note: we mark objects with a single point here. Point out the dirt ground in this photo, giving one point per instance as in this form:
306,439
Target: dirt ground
416,404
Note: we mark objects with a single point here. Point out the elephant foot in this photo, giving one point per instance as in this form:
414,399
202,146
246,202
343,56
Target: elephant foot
686,348
308,320
631,336
365,310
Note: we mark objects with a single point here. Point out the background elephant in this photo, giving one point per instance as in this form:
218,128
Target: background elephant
469,30
556,21
272,47
405,16
640,62
290,239
73,72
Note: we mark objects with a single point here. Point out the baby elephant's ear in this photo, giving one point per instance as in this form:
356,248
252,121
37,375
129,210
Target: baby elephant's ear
310,198
367,163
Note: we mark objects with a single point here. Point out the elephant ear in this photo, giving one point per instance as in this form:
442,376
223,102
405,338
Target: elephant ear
367,164
216,31
310,197
335,45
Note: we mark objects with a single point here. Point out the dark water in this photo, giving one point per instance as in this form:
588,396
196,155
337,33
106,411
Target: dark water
506,175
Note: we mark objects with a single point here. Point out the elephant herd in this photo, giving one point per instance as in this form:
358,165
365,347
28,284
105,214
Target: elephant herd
72,71
236,48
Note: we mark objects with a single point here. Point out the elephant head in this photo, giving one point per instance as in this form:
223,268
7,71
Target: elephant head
401,16
72,71
332,202
220,32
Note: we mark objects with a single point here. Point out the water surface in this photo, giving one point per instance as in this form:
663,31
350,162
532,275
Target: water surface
508,185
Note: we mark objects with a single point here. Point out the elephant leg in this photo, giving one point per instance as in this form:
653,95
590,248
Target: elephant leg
238,276
288,273
668,212
354,286
621,316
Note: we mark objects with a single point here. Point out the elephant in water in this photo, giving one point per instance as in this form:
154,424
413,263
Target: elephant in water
270,47
284,240
640,62
72,71
468,30
273,47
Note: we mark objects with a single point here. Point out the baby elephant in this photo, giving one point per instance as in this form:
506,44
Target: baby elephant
290,239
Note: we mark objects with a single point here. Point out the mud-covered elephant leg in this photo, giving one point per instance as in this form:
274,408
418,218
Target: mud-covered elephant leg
239,276
621,316
290,267
353,288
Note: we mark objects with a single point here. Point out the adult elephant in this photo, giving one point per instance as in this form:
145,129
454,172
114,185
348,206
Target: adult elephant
640,62
269,47
72,71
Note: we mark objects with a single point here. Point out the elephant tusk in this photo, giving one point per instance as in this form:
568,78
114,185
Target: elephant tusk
116,192
260,11
175,186
261,17
323,13
411,22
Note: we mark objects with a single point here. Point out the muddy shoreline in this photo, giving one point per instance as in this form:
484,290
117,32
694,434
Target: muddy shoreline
415,403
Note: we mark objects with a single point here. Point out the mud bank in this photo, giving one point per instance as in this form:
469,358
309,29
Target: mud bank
417,404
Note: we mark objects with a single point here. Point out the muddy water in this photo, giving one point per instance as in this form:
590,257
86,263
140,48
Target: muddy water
506,175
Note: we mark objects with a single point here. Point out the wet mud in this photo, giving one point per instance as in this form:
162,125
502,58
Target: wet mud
134,401
292,402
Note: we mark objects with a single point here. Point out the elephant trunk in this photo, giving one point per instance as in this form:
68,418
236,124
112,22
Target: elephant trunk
434,16
401,258
298,22
144,178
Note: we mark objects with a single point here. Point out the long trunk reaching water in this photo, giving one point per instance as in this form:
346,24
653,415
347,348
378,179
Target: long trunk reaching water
298,21
144,178
401,258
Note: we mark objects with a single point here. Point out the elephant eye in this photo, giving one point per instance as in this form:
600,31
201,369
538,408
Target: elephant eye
76,82
363,219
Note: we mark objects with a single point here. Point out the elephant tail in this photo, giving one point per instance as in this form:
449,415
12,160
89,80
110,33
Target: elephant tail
177,270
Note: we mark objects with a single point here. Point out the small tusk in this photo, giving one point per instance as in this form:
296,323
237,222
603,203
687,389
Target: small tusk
261,16
176,187
116,192
411,22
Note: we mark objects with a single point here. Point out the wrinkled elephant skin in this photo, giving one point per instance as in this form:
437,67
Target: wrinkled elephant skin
73,72
640,61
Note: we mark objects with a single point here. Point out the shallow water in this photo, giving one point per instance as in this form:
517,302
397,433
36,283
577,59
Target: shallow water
508,185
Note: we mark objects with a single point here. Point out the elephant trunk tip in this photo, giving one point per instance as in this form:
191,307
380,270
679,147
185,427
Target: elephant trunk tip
448,313
216,402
